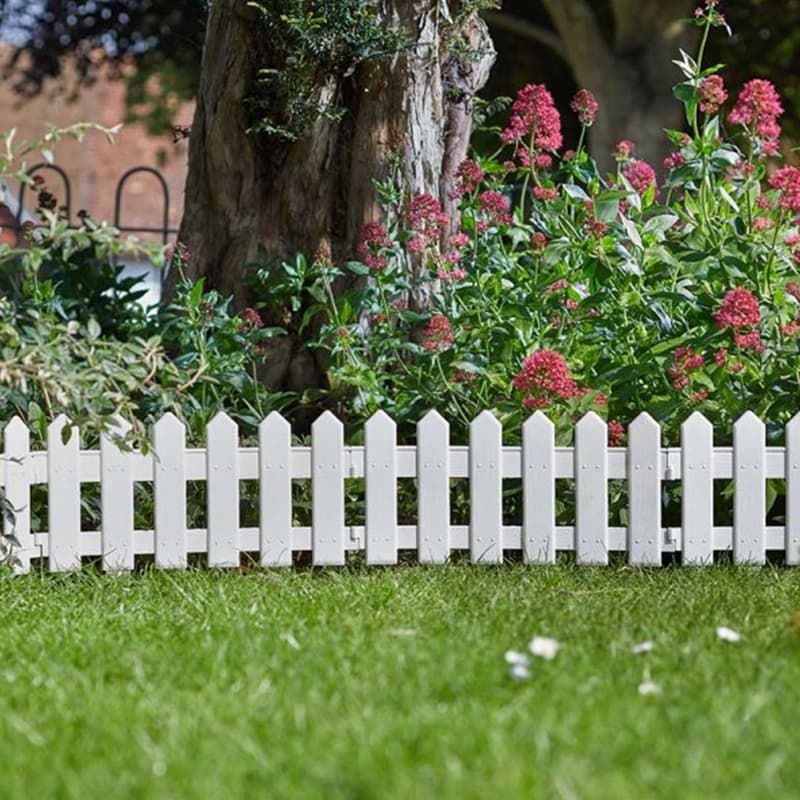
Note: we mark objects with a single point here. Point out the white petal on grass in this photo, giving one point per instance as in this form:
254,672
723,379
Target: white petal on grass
515,657
519,672
543,647
290,640
642,647
648,688
728,635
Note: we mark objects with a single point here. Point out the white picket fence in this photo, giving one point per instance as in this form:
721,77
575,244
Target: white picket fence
433,462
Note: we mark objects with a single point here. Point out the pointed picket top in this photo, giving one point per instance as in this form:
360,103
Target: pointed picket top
169,422
695,423
793,425
591,423
380,420
485,421
222,422
748,422
326,421
15,427
643,422
432,421
55,430
538,422
274,423
119,427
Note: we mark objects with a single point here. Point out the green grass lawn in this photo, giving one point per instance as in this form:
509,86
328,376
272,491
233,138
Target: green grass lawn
392,684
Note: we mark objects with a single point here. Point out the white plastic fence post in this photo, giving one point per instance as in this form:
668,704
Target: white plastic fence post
433,481
380,460
169,486
116,501
327,491
222,491
591,490
63,497
644,492
486,489
793,491
275,491
17,492
538,490
749,500
697,481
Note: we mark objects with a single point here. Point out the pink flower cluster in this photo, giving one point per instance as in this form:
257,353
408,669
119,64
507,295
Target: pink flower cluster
684,362
674,161
624,150
712,94
468,177
739,309
544,378
496,207
758,108
438,334
250,318
616,433
374,240
427,219
787,180
585,105
535,118
640,175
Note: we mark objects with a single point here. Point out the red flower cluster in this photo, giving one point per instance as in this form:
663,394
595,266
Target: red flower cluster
534,117
438,334
616,433
712,94
640,175
787,180
585,105
545,193
427,219
555,287
684,362
545,377
250,318
468,177
496,207
624,150
739,309
749,341
674,161
758,108
373,240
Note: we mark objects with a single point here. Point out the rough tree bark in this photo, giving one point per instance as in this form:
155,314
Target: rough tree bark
313,195
630,72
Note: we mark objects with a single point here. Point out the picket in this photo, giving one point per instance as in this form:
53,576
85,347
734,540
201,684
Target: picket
749,498
538,463
792,468
222,492
433,489
17,492
644,492
591,490
327,491
697,485
538,490
63,496
380,438
116,501
169,487
486,489
275,491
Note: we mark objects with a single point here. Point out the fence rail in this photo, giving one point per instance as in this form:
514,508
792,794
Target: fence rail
275,463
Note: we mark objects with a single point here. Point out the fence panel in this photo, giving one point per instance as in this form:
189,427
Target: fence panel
222,491
749,499
17,491
644,492
697,483
116,502
380,466
486,489
169,486
433,476
793,491
275,491
327,490
63,496
538,490
591,490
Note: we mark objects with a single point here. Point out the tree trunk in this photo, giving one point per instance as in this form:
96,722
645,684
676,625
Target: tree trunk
312,195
